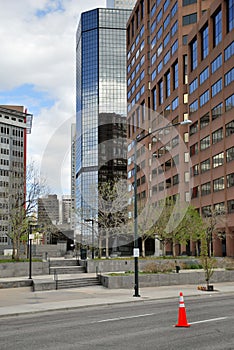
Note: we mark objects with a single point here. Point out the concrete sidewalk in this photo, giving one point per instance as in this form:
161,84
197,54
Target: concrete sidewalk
17,301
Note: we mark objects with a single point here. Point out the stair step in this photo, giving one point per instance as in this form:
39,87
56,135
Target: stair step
63,262
67,270
77,283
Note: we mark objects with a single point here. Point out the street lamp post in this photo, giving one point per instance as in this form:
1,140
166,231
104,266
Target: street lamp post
30,238
92,220
136,254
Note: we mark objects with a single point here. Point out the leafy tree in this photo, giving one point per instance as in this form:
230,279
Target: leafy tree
177,224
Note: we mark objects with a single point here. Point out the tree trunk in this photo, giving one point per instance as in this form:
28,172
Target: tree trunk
143,247
107,246
100,247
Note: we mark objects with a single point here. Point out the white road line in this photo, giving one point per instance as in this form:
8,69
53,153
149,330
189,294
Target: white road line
210,320
123,318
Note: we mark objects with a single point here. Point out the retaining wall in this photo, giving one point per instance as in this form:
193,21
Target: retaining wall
19,269
159,279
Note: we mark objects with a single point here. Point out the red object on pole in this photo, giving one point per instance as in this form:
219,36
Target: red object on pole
182,319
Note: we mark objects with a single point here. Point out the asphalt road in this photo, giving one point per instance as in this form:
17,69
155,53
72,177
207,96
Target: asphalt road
145,325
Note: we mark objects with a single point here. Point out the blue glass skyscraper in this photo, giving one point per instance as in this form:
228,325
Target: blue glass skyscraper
101,104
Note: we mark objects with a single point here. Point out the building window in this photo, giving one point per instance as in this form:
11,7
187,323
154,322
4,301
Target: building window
153,10
195,192
175,103
230,128
142,9
229,103
205,143
143,111
216,112
168,84
216,63
218,160
194,128
166,22
174,9
193,86
217,25
205,42
204,75
205,189
160,92
194,149
230,180
174,28
185,39
204,98
189,2
175,179
174,47
229,51
166,40
230,206
230,15
217,135
185,69
230,154
175,76
206,211
154,98
167,57
196,170
216,87
193,48
189,19
229,77
193,107
205,165
218,184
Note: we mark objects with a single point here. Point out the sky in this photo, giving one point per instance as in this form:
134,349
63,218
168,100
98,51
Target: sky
37,70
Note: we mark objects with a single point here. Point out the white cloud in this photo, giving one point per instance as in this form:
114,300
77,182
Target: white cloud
38,48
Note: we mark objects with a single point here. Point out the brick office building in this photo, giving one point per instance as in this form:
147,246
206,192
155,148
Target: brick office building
211,99
159,45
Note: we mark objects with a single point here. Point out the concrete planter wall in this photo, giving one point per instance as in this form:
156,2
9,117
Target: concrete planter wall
19,269
157,280
107,265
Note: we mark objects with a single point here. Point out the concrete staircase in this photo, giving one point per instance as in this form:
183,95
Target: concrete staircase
77,282
68,274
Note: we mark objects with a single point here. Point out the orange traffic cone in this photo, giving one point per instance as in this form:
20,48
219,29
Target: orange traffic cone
182,319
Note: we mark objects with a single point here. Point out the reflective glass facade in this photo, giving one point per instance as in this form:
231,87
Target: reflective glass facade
101,104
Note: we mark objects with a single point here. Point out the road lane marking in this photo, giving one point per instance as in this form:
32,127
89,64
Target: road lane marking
210,320
123,318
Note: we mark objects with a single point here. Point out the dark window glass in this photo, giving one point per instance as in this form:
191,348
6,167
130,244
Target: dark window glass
205,42
189,19
194,54
217,28
230,128
230,14
216,112
189,2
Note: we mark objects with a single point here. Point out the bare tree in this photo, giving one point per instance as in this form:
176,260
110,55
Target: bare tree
113,200
22,205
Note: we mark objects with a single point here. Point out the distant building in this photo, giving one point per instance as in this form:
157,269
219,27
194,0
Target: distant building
120,4
15,124
66,209
48,210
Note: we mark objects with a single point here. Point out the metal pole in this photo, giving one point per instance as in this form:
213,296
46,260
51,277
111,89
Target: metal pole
136,249
30,252
92,238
